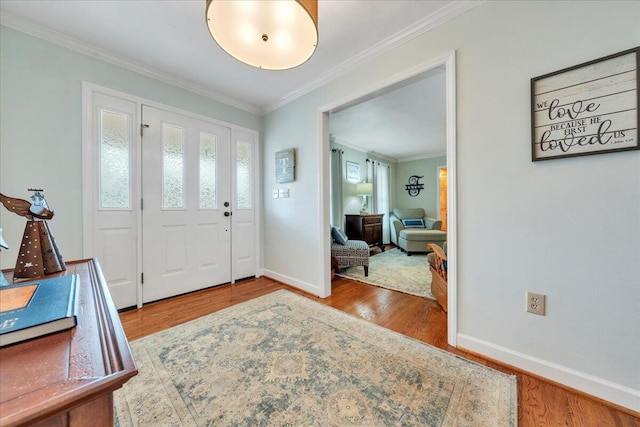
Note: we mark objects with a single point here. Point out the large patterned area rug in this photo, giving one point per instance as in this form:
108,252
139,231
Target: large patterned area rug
285,360
394,269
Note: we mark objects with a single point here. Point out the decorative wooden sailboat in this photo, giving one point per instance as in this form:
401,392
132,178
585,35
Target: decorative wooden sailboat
38,254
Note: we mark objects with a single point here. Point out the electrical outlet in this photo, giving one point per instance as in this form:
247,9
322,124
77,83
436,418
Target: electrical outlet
535,303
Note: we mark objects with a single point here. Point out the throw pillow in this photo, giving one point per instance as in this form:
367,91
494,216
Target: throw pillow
339,236
413,223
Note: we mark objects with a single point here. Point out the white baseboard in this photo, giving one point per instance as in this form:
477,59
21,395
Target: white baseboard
594,386
303,286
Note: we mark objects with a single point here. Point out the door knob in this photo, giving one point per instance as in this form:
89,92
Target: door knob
227,213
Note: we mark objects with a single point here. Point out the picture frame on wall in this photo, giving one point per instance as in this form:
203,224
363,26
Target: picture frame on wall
285,166
590,108
353,171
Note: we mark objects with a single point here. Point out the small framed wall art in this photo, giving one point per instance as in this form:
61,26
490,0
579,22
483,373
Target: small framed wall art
353,171
285,165
591,108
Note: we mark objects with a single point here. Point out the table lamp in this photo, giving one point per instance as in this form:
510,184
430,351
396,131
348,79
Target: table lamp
364,189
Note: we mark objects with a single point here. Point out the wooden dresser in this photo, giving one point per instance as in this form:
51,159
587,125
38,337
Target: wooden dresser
365,227
68,378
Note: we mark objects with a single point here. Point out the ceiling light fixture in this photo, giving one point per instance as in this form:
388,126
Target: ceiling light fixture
267,34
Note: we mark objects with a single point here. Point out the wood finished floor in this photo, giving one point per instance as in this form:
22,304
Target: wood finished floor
540,403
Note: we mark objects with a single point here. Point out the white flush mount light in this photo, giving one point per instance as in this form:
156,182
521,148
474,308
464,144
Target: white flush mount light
267,34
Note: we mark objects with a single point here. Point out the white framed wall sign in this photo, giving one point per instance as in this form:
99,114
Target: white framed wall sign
591,108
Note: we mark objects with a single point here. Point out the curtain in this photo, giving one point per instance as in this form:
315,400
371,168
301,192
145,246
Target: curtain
337,216
378,174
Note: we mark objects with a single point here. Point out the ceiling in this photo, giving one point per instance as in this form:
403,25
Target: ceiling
169,40
406,122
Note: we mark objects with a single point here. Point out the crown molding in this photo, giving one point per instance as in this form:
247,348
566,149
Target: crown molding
71,43
427,24
345,143
382,156
422,157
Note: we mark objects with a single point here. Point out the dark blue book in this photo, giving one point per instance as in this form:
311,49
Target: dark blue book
36,308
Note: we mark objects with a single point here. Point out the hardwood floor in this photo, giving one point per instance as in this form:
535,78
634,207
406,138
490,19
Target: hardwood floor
540,403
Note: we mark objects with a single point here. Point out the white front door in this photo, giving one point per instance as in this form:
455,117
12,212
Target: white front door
187,170
186,216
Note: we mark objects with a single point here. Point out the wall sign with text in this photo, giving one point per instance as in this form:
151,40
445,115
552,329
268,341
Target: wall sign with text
285,166
590,108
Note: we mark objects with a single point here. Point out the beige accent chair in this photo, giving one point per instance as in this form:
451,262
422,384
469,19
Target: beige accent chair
415,239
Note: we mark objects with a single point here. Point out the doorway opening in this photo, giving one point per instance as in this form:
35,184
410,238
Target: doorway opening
442,196
448,62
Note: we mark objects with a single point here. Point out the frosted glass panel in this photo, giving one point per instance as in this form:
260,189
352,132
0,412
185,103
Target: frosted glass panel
243,174
207,171
115,188
172,166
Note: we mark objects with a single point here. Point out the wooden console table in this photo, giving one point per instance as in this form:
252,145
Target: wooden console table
365,227
68,378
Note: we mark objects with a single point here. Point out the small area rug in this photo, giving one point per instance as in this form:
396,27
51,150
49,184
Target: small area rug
394,269
285,360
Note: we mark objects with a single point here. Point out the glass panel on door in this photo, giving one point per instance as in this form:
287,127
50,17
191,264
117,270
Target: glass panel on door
208,171
243,175
115,160
173,167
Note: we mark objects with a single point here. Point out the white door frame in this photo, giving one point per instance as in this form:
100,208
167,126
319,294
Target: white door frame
448,61
88,171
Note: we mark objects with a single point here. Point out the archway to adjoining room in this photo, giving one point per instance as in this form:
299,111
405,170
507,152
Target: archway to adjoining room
448,63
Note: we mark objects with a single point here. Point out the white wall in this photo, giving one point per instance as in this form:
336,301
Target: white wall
290,225
41,124
567,228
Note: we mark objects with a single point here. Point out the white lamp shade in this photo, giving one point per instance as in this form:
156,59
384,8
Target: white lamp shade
364,189
268,34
